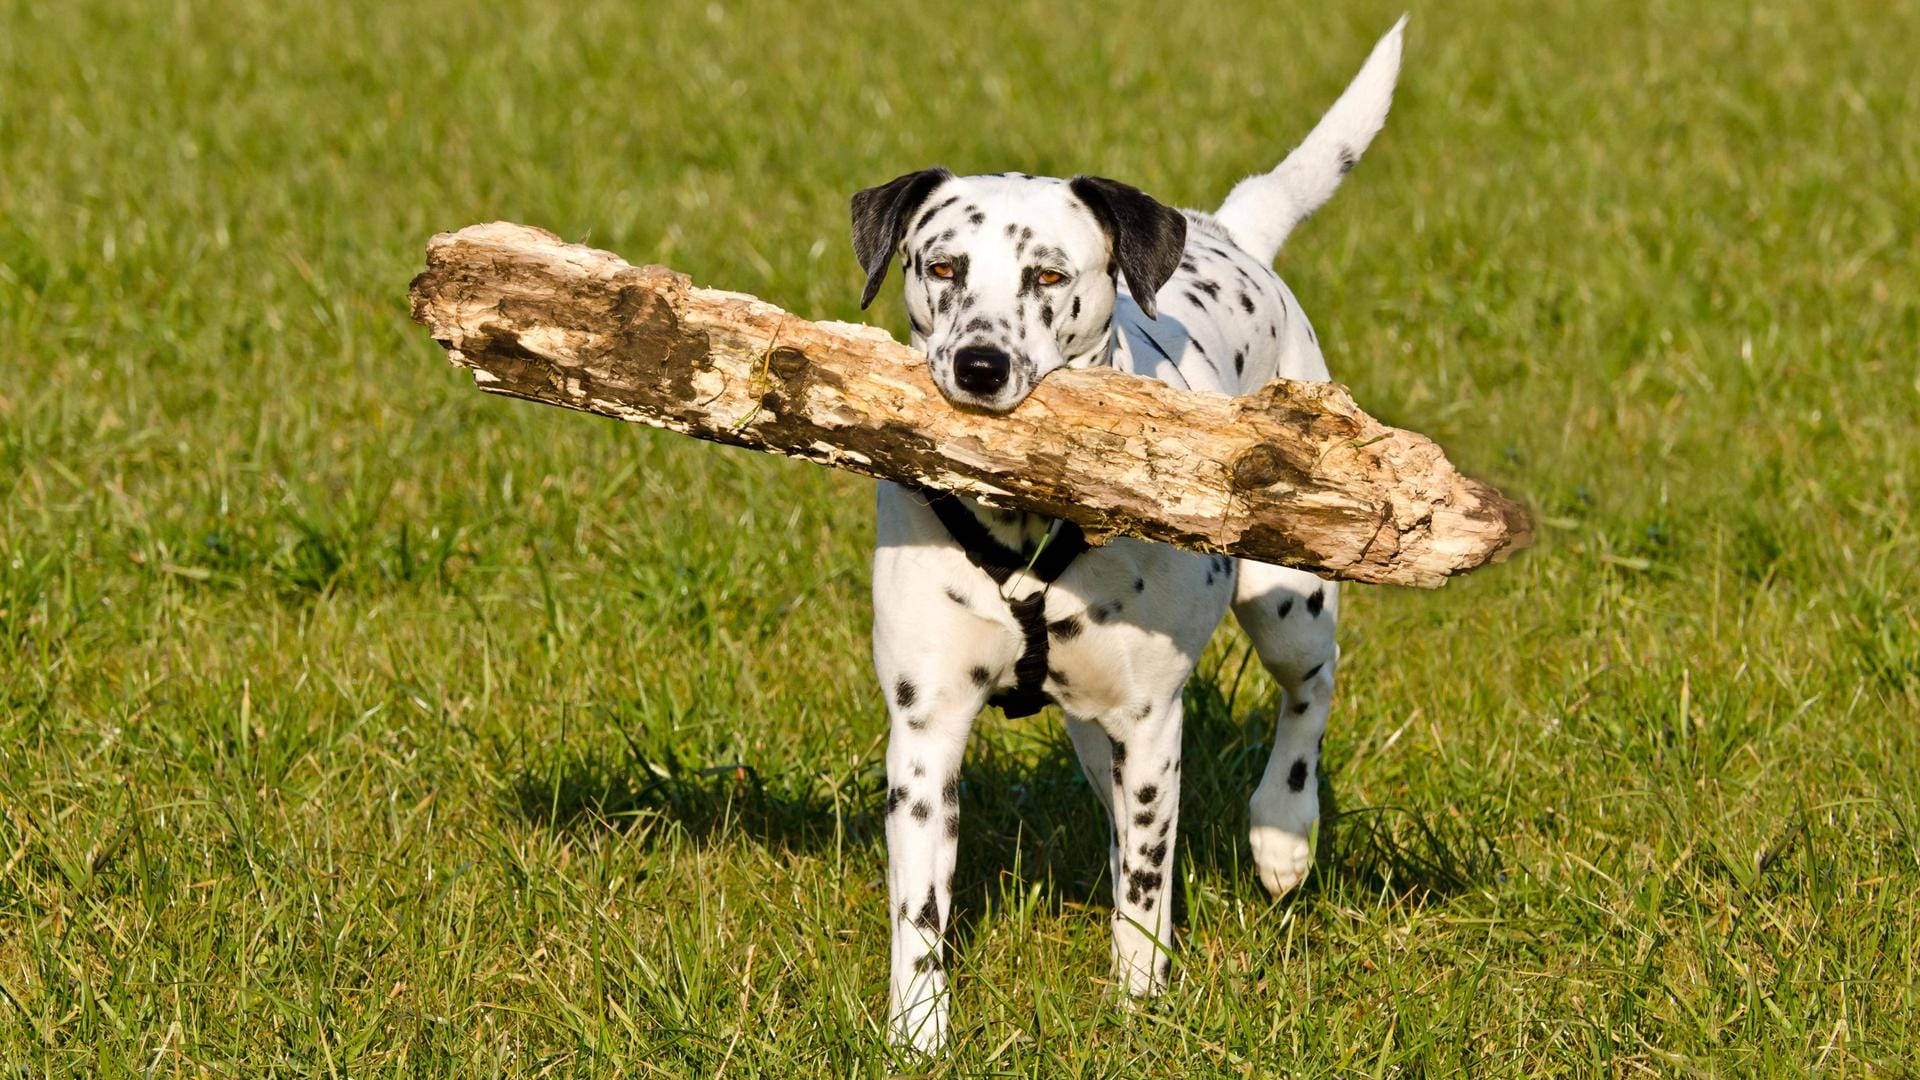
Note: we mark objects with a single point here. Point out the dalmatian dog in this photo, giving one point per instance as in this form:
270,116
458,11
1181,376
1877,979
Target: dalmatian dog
1009,277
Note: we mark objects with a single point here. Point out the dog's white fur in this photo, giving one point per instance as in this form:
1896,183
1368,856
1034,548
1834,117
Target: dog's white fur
1127,620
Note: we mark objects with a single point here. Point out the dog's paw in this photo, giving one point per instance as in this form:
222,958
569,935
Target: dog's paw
1281,857
920,1029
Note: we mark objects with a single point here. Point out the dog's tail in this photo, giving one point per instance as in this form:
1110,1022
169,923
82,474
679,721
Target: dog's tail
1261,210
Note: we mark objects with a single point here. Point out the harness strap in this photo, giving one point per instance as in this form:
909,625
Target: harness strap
1000,562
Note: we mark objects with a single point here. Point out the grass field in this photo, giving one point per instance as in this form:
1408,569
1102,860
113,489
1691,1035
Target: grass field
353,723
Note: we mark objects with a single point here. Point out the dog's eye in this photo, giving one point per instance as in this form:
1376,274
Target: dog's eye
1051,277
942,270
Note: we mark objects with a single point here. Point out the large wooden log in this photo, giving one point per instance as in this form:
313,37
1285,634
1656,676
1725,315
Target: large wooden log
1294,474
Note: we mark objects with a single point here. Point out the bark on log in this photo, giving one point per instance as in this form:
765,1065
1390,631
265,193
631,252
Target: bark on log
1294,474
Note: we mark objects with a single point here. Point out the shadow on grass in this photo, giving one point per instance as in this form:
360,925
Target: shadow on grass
585,789
1028,816
1031,819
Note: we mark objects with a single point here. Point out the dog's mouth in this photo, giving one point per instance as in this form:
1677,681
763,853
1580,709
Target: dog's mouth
983,377
997,404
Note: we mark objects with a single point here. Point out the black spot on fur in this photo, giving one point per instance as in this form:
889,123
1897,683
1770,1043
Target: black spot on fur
1301,708
953,826
921,811
1065,629
1312,671
1286,607
1046,314
950,792
1209,579
928,216
954,595
1144,881
1246,304
1143,819
1100,613
916,723
1347,160
904,693
926,962
895,797
976,218
919,769
1074,312
1119,750
1317,601
1139,585
1297,776
1211,288
929,916
1147,794
1193,299
1239,362
980,676
1157,854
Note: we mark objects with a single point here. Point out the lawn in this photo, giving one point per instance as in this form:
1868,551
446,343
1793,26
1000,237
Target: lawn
353,723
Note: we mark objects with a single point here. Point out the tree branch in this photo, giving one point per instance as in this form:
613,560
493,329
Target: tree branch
1294,473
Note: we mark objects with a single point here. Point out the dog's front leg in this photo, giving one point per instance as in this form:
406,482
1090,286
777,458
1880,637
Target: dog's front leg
929,731
1145,751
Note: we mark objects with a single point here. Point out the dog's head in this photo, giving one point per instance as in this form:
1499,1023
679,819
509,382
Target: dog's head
1010,277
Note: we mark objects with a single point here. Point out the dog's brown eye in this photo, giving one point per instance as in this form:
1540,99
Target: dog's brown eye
1051,277
942,270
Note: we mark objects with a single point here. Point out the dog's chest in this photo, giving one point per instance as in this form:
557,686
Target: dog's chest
1104,624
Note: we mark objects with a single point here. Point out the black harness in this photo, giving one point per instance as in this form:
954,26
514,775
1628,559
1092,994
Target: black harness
1001,562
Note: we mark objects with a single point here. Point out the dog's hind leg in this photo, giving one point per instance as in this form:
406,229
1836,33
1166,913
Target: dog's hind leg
1290,617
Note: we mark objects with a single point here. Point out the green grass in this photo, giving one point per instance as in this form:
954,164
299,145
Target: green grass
355,723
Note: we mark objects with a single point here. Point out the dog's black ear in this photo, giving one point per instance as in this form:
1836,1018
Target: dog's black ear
1147,236
880,221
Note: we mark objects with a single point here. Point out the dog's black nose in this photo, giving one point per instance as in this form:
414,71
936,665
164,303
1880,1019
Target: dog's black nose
981,369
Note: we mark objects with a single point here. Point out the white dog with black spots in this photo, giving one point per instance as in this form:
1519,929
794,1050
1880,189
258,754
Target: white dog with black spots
1009,277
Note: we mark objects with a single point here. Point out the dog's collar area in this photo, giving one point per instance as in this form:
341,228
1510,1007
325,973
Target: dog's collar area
1063,545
